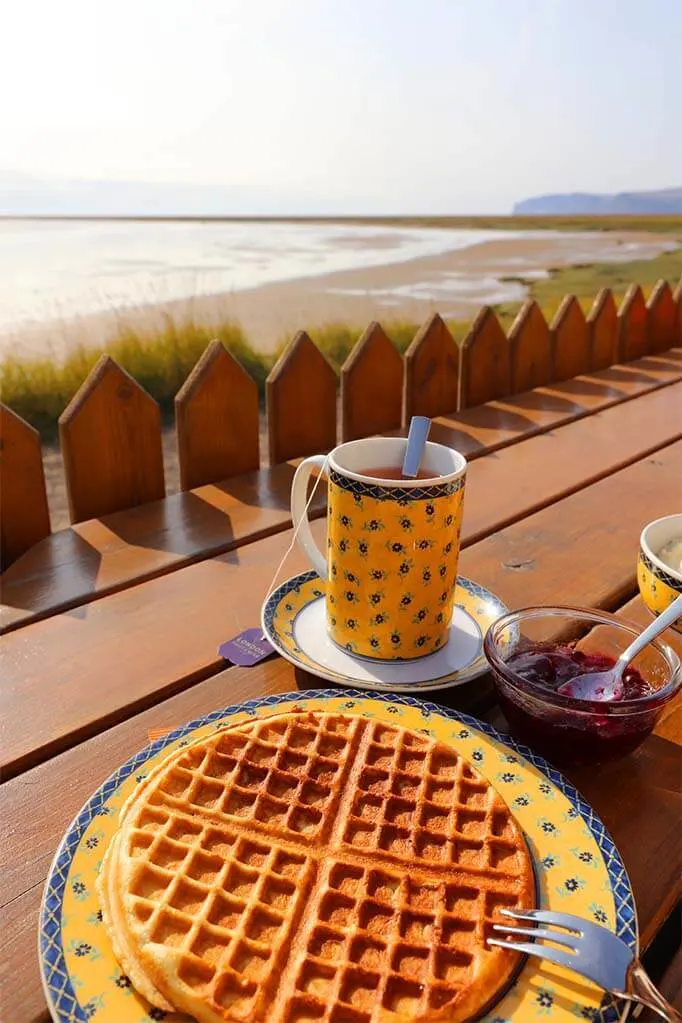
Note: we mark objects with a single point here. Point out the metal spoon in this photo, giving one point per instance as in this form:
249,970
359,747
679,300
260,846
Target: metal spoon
416,442
604,686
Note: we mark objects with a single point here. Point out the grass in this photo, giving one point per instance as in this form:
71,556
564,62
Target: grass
586,280
39,389
658,223
160,358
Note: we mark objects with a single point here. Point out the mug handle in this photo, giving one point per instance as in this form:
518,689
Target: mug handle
299,517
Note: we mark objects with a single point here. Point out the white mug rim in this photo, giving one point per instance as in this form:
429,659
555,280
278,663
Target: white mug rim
645,546
379,481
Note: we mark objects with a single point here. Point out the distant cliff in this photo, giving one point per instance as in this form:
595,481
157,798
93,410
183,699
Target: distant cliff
667,200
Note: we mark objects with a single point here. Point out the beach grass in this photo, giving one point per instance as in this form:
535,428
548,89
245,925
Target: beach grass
161,357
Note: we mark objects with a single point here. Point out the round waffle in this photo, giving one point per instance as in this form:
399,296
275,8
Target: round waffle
316,867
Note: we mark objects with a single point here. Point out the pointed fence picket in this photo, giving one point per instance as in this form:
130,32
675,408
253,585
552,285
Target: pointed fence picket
216,420
111,430
431,372
110,436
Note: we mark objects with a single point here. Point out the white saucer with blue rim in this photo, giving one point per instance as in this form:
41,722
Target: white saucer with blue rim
293,620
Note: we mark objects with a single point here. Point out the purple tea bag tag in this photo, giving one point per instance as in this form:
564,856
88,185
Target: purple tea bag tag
248,648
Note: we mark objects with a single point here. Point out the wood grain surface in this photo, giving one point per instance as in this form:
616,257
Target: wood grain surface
110,436
111,658
570,341
104,555
300,397
661,314
530,349
371,386
25,519
431,372
633,326
602,327
217,420
485,370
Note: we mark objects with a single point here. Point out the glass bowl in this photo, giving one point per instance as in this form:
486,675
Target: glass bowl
562,728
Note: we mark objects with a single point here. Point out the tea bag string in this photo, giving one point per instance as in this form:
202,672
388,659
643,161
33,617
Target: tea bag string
297,529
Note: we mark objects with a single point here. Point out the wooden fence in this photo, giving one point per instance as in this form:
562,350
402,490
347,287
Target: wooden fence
110,433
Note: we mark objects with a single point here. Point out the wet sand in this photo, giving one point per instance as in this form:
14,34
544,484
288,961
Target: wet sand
454,283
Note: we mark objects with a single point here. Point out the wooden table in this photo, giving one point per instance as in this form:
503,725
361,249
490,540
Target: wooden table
129,643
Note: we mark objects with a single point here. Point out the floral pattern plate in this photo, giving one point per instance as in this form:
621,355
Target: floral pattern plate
293,620
577,866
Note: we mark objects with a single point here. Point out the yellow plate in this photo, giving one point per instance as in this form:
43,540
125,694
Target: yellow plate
577,866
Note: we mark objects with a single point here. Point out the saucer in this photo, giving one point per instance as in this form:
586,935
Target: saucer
293,620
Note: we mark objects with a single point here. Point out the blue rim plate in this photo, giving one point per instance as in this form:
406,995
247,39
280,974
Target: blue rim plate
508,765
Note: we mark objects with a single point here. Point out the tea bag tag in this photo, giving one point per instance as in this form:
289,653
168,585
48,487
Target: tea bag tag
250,646
246,649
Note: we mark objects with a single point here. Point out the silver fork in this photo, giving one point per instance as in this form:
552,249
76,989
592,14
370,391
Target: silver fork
590,950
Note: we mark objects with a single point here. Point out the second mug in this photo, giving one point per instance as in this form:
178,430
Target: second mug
390,566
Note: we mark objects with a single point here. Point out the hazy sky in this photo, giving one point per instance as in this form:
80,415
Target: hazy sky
347,105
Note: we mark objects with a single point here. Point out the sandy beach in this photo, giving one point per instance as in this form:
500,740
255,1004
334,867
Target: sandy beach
455,283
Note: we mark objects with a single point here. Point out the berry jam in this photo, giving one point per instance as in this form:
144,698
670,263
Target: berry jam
551,667
578,731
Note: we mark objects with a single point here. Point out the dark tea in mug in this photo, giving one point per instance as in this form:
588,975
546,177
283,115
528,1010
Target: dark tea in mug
395,472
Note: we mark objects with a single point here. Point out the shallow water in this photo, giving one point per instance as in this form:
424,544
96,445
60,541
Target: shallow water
55,270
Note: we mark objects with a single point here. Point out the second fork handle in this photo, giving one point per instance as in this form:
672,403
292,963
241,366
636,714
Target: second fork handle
640,988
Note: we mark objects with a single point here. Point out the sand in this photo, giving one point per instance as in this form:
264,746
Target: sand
454,283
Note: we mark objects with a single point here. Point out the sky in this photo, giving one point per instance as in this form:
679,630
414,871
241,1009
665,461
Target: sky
345,106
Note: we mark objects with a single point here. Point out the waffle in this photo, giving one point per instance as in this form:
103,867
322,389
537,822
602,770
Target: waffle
316,868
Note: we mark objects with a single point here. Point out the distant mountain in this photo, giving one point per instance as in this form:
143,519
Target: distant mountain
666,200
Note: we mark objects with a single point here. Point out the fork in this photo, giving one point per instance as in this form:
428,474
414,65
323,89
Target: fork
590,950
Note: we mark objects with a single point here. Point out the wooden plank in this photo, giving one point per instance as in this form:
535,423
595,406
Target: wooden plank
66,782
570,341
216,420
669,725
102,556
530,349
526,477
300,395
111,443
661,312
498,424
25,518
485,369
549,554
670,986
633,325
174,625
652,773
677,295
21,991
602,328
371,386
431,372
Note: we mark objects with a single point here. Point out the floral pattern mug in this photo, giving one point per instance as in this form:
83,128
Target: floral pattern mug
392,546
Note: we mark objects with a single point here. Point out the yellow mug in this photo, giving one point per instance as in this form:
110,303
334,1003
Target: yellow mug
659,583
390,567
